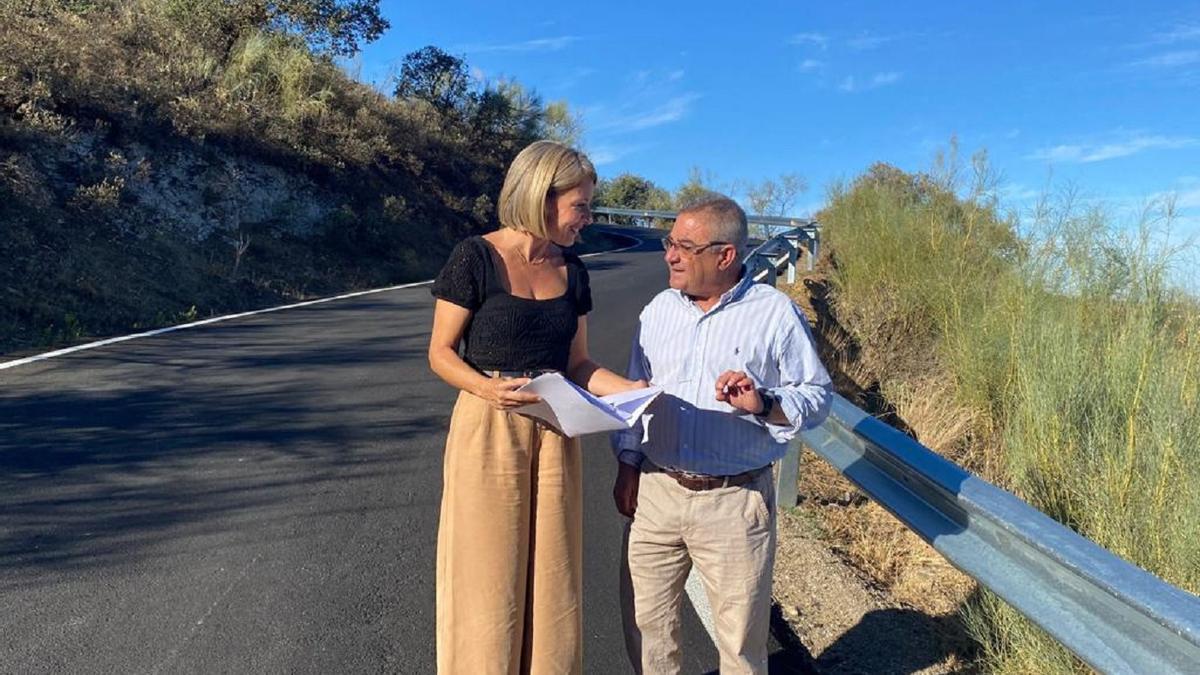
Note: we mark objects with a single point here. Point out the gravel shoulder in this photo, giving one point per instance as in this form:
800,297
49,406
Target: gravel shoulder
848,623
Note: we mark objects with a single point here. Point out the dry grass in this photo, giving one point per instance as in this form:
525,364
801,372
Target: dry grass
908,568
1061,366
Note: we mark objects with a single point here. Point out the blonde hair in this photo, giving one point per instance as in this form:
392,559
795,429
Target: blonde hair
540,171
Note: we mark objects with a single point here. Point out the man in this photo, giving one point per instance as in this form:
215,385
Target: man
740,377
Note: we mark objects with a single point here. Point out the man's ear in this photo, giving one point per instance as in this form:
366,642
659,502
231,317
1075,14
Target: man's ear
729,257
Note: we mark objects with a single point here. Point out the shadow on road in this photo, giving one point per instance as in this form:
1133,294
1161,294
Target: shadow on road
152,445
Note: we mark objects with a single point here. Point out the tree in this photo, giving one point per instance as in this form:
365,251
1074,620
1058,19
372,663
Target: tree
561,124
773,198
699,185
338,27
630,191
440,79
776,197
332,27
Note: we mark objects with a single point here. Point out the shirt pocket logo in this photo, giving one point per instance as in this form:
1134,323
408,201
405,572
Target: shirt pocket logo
745,356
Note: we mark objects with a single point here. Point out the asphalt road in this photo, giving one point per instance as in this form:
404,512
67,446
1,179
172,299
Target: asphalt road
261,495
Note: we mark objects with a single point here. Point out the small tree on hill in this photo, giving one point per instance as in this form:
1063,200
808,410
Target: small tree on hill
699,185
631,191
440,79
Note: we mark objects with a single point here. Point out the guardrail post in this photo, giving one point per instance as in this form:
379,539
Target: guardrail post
764,262
791,268
787,479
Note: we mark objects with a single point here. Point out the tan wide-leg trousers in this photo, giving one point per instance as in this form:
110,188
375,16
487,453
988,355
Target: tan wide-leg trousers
729,535
510,547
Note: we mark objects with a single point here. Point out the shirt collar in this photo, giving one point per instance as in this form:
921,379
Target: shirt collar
745,281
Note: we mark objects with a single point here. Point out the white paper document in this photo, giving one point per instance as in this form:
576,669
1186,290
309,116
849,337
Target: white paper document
575,412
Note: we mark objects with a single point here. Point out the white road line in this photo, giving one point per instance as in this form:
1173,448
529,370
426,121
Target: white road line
170,329
194,324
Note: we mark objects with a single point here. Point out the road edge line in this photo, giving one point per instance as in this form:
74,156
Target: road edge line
5,365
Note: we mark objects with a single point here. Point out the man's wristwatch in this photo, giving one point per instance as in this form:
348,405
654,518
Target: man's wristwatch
768,403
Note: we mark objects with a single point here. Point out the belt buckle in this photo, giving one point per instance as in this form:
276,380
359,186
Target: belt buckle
702,482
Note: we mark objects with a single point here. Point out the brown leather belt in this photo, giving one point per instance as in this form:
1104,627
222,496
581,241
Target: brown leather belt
699,482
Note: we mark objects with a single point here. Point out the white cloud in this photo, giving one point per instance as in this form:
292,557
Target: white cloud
1131,144
602,155
810,64
818,40
866,41
551,44
638,110
1169,60
1184,32
649,100
671,110
850,84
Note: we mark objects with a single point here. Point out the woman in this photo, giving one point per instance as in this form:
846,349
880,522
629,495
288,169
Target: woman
509,561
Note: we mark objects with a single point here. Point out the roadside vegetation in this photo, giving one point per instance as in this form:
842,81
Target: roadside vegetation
1052,354
167,159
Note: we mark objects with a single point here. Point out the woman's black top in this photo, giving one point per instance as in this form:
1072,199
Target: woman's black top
507,332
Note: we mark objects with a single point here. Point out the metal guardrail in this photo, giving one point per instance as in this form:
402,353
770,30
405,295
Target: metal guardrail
769,257
781,252
1113,615
776,221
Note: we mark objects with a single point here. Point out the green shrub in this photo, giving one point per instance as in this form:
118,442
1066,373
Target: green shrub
1071,339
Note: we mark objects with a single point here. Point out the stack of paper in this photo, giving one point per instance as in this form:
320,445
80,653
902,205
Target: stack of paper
575,412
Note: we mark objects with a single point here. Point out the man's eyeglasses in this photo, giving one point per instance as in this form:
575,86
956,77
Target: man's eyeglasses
687,248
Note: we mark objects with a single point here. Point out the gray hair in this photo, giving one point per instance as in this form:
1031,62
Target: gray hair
725,219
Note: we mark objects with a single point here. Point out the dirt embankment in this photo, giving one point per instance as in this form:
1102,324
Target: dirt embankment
860,591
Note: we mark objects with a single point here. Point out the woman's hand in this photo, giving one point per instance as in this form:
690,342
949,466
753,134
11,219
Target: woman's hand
501,393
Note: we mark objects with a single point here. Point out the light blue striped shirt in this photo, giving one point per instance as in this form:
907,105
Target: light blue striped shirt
753,328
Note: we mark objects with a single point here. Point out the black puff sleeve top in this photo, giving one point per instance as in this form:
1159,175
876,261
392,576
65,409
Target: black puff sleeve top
507,332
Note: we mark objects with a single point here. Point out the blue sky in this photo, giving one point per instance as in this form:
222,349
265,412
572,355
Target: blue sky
1103,97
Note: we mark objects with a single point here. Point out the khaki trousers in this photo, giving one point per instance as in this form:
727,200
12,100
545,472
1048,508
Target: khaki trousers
510,547
729,535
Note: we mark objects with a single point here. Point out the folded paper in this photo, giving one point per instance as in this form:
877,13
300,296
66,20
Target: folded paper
575,412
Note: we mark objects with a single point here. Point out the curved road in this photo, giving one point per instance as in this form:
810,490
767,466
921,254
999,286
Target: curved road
261,495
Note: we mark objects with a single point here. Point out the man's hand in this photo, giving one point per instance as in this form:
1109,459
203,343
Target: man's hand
737,389
626,490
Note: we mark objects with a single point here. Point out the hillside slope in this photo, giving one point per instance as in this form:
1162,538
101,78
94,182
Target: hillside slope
158,164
